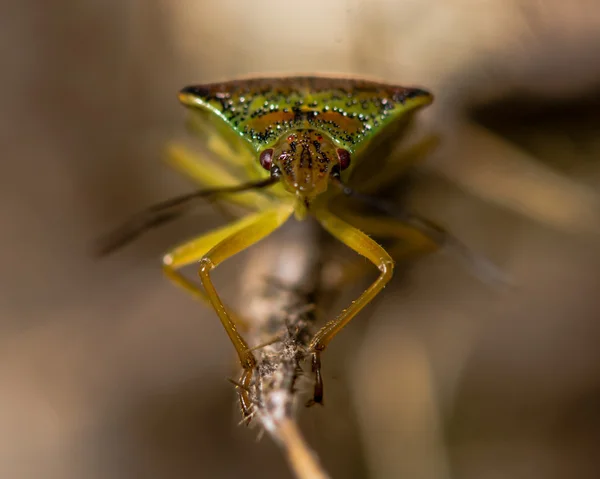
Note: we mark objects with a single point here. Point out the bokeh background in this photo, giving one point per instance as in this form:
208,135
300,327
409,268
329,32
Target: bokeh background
107,370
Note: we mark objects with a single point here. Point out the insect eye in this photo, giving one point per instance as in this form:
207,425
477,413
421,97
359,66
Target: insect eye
266,159
344,157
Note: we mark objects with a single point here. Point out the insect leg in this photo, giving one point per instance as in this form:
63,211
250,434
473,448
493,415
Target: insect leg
365,246
411,243
208,173
220,140
318,390
398,164
194,250
414,241
238,240
240,236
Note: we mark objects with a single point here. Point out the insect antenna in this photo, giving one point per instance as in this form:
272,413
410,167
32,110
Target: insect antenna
165,212
478,264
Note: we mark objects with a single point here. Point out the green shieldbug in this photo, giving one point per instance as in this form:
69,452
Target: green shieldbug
287,145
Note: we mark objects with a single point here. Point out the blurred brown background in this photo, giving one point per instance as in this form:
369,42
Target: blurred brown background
107,370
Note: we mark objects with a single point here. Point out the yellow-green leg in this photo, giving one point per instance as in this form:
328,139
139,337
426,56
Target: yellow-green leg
262,225
211,250
365,246
411,242
398,164
419,236
193,250
208,173
220,140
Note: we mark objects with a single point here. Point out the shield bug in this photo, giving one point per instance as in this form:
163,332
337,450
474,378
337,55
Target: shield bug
288,146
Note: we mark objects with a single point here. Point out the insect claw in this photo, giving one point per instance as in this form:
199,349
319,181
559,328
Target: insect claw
247,419
318,390
238,385
244,398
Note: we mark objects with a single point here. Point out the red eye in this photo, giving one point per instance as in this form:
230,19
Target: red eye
344,157
291,138
266,159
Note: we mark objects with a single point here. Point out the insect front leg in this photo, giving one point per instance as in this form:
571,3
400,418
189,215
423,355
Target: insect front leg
200,248
193,251
252,231
365,246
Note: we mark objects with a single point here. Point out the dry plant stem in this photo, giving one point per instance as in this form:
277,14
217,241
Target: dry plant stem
279,286
302,460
